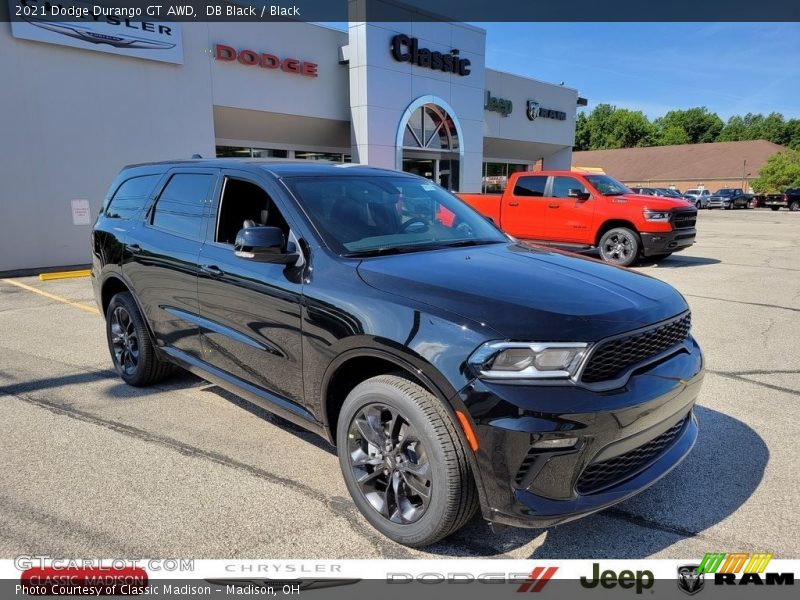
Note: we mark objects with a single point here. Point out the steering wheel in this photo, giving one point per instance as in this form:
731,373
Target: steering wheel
414,221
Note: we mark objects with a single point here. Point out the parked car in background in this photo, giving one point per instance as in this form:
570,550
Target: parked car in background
729,198
697,197
453,368
663,192
580,211
790,200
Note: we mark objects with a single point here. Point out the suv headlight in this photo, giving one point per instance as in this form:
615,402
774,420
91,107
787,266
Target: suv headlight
523,360
656,215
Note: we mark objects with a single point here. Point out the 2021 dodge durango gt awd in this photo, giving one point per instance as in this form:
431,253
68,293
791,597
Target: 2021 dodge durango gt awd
453,368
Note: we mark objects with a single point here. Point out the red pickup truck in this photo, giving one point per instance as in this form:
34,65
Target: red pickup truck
580,211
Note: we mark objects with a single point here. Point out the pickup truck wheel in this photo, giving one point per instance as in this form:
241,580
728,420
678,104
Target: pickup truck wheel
619,246
794,206
132,350
403,461
775,207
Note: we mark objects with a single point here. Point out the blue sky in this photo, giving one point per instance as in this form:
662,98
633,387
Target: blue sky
654,67
731,68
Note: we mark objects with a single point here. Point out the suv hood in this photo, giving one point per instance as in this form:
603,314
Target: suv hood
652,202
527,293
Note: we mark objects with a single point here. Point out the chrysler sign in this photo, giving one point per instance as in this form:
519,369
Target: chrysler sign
87,28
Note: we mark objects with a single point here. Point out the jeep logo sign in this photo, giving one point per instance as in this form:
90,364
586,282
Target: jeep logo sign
498,105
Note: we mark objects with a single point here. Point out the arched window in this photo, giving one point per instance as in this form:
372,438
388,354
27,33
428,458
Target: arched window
429,127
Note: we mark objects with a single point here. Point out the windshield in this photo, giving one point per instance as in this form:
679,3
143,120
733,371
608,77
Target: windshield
725,192
363,216
607,186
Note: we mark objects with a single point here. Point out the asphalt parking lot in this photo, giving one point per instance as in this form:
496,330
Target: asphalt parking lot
92,467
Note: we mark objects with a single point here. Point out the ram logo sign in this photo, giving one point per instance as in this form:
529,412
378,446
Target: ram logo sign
742,568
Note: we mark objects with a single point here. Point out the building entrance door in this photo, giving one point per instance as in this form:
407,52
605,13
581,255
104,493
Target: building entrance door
439,168
431,146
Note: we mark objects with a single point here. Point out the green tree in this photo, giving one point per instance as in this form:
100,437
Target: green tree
793,134
582,134
610,127
699,124
781,171
671,136
733,131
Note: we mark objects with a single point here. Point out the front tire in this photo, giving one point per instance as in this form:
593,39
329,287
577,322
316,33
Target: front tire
132,351
795,206
620,246
403,461
774,208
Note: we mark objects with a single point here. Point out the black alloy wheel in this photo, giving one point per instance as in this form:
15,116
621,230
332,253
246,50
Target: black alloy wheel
619,246
390,463
132,351
404,462
124,341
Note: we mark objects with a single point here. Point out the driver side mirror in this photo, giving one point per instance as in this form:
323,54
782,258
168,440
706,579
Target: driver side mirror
264,244
579,194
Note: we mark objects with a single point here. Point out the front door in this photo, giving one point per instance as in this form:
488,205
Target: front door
250,311
569,219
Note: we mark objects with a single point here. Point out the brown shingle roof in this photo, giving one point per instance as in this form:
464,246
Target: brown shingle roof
720,160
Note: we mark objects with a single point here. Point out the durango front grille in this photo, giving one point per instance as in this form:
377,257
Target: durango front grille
611,358
684,220
601,475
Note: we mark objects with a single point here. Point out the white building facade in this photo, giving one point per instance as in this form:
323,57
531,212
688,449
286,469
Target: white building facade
413,96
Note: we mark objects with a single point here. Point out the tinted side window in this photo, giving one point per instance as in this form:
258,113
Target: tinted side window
131,196
530,186
180,207
562,186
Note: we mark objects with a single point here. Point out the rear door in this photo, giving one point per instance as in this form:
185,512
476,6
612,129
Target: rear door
522,211
163,258
569,219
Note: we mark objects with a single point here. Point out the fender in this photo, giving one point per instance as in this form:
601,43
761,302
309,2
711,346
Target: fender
119,275
429,376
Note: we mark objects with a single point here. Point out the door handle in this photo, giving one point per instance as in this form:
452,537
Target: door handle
513,203
134,247
553,205
212,270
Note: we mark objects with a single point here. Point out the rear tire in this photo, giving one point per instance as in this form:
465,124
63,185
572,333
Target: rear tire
132,351
403,461
774,207
620,246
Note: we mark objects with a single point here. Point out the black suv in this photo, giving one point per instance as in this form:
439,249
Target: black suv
453,367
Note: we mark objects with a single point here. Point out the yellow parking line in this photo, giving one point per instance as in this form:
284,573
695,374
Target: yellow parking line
29,288
64,275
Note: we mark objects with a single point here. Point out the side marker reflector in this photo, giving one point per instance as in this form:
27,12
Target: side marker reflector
465,425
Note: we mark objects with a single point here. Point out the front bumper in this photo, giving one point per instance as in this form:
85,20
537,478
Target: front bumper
526,486
669,241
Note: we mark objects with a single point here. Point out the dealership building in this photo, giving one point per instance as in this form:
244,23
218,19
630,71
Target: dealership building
82,99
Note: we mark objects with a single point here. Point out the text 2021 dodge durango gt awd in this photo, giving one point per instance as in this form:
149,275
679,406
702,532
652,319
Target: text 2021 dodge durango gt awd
453,368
